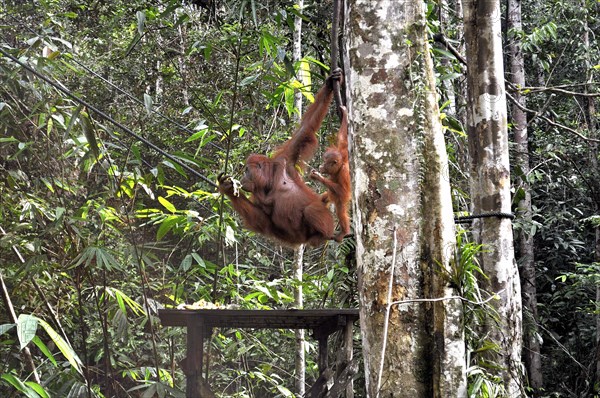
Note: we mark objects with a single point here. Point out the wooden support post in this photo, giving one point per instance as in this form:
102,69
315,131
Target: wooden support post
348,351
193,362
323,360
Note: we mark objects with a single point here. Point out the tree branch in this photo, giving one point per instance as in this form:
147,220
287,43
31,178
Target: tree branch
558,90
551,122
440,38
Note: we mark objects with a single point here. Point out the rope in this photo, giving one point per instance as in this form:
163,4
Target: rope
465,219
105,116
335,52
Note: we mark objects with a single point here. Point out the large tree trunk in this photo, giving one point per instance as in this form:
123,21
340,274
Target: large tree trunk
412,346
490,184
532,357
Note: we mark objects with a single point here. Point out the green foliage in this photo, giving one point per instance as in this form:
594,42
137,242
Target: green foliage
29,389
105,231
98,231
466,276
484,385
27,331
563,183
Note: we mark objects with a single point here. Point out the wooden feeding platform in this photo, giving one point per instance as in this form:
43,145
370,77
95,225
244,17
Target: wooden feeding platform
199,323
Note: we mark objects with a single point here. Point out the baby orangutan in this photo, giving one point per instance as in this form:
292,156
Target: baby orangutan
335,165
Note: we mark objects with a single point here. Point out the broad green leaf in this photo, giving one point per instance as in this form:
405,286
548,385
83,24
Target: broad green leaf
317,62
105,259
124,302
19,385
247,80
453,125
90,133
84,257
37,388
26,329
44,349
199,260
304,72
197,135
186,263
60,119
288,93
173,166
141,20
168,205
148,103
150,391
58,212
63,41
284,391
443,53
330,274
121,303
167,225
48,184
208,51
63,346
78,390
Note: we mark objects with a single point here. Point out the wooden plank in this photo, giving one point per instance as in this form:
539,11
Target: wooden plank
260,319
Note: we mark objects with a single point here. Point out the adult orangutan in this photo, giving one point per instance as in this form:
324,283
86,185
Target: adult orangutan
335,165
281,205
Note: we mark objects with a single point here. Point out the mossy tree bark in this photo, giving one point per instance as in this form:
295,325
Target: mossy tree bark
412,346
